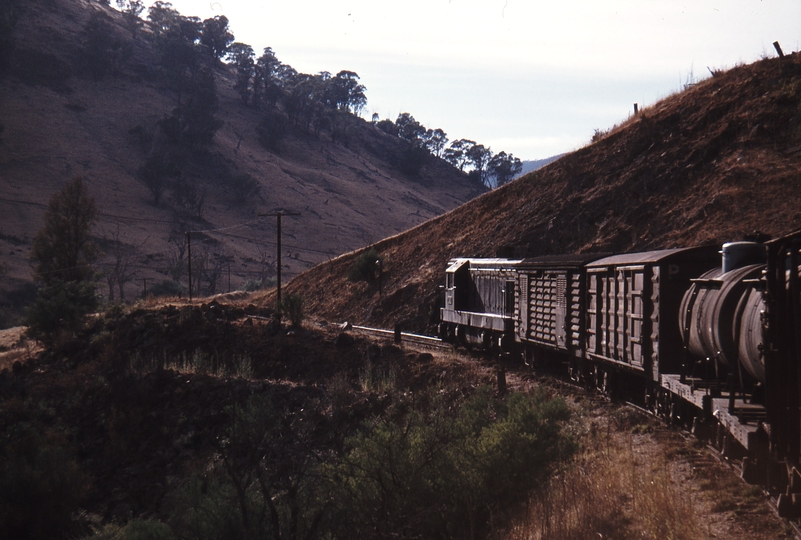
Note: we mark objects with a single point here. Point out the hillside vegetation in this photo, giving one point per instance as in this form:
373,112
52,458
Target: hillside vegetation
715,163
214,419
156,125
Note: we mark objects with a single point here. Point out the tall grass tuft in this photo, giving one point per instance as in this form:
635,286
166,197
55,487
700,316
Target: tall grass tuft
195,361
377,378
611,491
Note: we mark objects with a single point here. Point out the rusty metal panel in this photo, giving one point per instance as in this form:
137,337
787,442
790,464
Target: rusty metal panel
655,310
576,298
608,319
636,305
594,285
615,314
554,305
523,307
560,318
557,300
634,350
621,317
626,317
542,316
488,294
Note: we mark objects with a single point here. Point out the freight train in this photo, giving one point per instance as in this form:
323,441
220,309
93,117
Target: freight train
706,341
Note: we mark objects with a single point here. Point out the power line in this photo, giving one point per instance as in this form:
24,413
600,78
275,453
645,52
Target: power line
219,230
104,214
269,243
229,227
173,222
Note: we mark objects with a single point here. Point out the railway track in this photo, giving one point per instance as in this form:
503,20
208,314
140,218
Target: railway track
711,451
770,498
714,453
405,337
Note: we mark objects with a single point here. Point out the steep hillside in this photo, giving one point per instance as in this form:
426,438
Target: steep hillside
59,122
712,164
531,166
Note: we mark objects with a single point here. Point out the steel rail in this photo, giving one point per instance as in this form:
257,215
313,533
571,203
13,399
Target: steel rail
406,337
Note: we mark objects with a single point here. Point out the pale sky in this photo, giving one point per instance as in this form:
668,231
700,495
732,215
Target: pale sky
528,77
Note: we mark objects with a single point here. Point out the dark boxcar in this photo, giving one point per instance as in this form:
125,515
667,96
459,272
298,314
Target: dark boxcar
550,311
632,307
479,301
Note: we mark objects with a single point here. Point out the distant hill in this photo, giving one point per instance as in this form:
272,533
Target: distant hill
533,165
62,117
712,164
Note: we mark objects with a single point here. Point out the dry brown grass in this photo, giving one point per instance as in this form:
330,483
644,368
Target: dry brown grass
708,165
618,488
15,347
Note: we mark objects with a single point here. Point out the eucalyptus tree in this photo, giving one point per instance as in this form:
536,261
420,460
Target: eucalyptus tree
131,12
409,129
266,85
435,140
457,153
479,156
243,59
346,93
504,167
215,35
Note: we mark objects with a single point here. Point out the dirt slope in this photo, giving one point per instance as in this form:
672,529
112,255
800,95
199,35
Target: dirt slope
59,123
712,164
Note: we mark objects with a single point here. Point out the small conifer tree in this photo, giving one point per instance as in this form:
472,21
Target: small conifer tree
64,252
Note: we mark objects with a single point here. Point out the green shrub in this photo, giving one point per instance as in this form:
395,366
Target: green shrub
411,160
440,476
272,130
114,312
243,187
292,307
387,126
60,307
261,484
365,267
207,509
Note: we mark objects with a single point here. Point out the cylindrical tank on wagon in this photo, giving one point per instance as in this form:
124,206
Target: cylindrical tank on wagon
710,315
751,344
750,310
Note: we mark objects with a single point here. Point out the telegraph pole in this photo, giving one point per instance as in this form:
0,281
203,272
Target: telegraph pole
278,214
189,260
